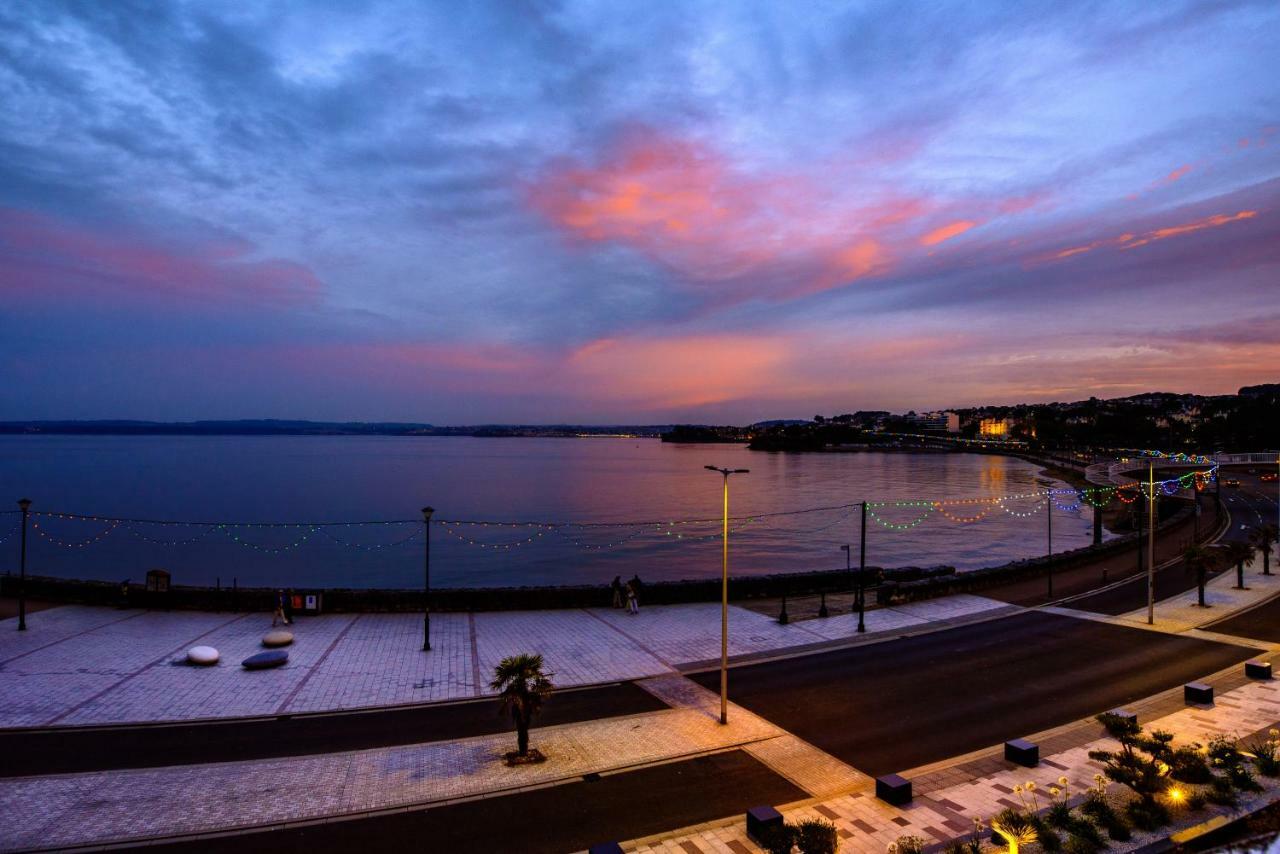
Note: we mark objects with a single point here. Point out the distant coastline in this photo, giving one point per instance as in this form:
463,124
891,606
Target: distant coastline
275,427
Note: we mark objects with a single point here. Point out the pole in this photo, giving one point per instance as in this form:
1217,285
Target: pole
1151,544
862,570
1048,515
25,504
426,578
724,610
724,595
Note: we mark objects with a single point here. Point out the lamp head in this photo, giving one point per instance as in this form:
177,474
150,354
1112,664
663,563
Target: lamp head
711,468
741,471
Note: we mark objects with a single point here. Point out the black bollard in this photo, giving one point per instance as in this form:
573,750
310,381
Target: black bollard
782,615
822,608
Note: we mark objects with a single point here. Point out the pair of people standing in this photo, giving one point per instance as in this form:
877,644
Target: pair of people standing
629,592
284,608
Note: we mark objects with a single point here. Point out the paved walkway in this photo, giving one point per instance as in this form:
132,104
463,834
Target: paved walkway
88,665
949,798
84,665
1182,613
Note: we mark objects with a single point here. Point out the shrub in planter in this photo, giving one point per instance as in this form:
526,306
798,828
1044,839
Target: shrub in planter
779,840
1059,814
1196,800
1221,792
1147,815
907,845
1082,845
815,836
1050,842
1266,754
1225,753
1187,764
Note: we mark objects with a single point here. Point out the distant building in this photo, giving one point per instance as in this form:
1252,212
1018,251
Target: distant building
929,420
994,428
953,422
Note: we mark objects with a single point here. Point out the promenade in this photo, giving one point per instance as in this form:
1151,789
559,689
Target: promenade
817,710
79,665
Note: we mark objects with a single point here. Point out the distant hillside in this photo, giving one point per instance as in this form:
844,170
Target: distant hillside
281,427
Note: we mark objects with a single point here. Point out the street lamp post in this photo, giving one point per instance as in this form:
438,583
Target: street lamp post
1048,515
426,578
724,596
862,570
848,567
25,504
1151,544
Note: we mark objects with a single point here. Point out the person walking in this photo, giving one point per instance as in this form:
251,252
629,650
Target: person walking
288,607
617,591
633,603
278,614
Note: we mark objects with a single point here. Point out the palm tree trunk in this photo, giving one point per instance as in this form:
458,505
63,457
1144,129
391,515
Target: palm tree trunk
1240,575
522,737
1266,558
1202,591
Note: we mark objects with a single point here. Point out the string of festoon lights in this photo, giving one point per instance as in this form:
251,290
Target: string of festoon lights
902,515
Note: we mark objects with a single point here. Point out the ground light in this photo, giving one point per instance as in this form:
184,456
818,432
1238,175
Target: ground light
724,596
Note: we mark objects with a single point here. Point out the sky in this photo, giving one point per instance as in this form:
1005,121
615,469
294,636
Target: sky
631,212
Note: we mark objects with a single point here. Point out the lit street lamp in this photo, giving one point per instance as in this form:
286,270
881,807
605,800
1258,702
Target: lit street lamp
724,597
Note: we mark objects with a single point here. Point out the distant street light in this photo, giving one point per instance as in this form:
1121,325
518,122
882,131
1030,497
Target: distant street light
860,595
25,505
724,596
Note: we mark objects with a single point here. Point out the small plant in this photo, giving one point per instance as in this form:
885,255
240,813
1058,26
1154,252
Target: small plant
1096,806
1059,814
1081,829
907,845
1225,753
1014,828
1147,815
1266,754
816,836
1187,764
1050,842
1082,845
1221,792
780,839
1196,800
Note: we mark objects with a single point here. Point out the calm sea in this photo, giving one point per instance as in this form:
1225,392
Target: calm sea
581,480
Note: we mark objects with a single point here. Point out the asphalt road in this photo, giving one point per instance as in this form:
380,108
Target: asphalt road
1249,504
1262,623
890,707
63,749
570,817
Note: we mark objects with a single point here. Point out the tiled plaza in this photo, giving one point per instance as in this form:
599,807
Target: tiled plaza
82,665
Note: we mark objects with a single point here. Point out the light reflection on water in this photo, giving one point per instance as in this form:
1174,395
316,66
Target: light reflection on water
341,478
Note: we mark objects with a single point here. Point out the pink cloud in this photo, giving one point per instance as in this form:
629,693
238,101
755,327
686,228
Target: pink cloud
946,232
689,207
44,257
1129,240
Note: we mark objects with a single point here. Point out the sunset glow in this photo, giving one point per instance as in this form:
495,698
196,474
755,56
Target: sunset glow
584,213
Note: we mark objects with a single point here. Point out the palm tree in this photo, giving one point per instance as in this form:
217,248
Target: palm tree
1199,560
1262,536
522,687
1239,554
